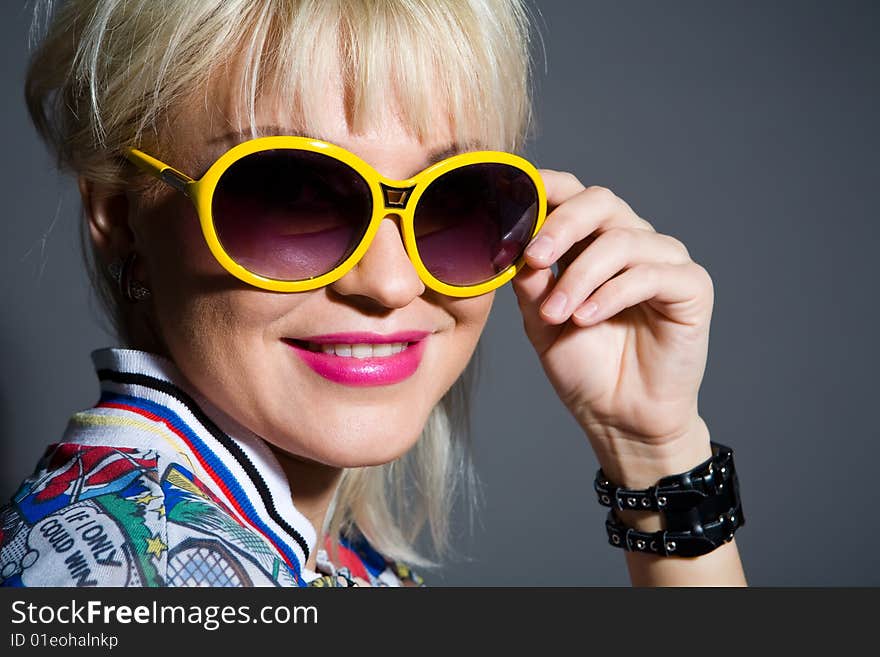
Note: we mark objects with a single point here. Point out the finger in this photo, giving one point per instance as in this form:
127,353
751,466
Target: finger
531,287
612,251
560,186
592,209
682,292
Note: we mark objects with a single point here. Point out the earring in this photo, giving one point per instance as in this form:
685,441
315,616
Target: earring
131,290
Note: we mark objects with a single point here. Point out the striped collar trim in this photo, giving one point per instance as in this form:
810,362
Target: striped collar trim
233,461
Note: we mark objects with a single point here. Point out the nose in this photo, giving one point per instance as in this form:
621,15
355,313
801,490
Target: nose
385,274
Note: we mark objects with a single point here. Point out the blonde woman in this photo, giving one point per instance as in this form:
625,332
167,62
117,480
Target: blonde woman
298,213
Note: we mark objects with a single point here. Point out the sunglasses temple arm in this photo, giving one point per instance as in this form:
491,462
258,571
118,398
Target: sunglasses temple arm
160,170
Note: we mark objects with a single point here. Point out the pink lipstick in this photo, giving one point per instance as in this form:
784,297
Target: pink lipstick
368,371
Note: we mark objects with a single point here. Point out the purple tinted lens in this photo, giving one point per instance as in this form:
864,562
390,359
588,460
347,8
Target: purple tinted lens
290,214
474,222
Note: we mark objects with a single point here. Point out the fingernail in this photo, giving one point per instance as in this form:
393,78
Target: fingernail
554,306
541,248
587,311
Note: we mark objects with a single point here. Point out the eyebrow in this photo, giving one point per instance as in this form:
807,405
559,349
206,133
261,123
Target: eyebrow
237,136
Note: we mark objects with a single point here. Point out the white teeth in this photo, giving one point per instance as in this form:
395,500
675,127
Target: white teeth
360,350
382,349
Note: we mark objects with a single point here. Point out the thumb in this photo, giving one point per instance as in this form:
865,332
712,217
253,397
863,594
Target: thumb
531,287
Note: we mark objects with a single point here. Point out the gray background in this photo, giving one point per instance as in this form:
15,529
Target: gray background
747,130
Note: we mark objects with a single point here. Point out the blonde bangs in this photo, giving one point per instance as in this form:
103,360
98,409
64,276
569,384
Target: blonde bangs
421,59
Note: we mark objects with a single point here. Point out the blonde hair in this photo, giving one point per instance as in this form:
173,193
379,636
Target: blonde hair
111,74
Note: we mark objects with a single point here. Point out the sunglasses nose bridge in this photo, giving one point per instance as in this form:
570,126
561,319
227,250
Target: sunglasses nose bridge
396,198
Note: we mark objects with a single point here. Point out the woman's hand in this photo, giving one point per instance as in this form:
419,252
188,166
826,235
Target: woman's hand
626,346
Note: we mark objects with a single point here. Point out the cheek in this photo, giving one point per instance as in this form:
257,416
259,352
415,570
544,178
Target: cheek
460,341
471,313
178,248
182,272
199,309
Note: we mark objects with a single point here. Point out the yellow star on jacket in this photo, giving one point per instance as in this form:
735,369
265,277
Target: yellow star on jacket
156,546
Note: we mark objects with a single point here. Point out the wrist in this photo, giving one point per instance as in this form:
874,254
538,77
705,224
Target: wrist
635,464
631,463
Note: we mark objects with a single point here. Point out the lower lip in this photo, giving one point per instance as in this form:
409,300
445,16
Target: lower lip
376,371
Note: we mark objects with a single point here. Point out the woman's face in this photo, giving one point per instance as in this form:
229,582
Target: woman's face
231,340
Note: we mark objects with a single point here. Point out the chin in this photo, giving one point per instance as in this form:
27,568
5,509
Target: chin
367,453
365,449
356,436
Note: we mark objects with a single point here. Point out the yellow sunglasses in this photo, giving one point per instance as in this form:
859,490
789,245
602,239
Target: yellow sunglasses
290,214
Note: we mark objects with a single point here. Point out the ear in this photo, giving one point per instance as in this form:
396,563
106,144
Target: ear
107,213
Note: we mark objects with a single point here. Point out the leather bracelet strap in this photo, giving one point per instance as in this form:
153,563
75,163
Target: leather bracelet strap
667,543
673,493
702,509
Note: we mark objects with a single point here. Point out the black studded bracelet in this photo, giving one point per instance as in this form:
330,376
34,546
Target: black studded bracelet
702,508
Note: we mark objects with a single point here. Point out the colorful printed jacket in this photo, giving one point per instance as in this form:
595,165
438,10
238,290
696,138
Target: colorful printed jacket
154,486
